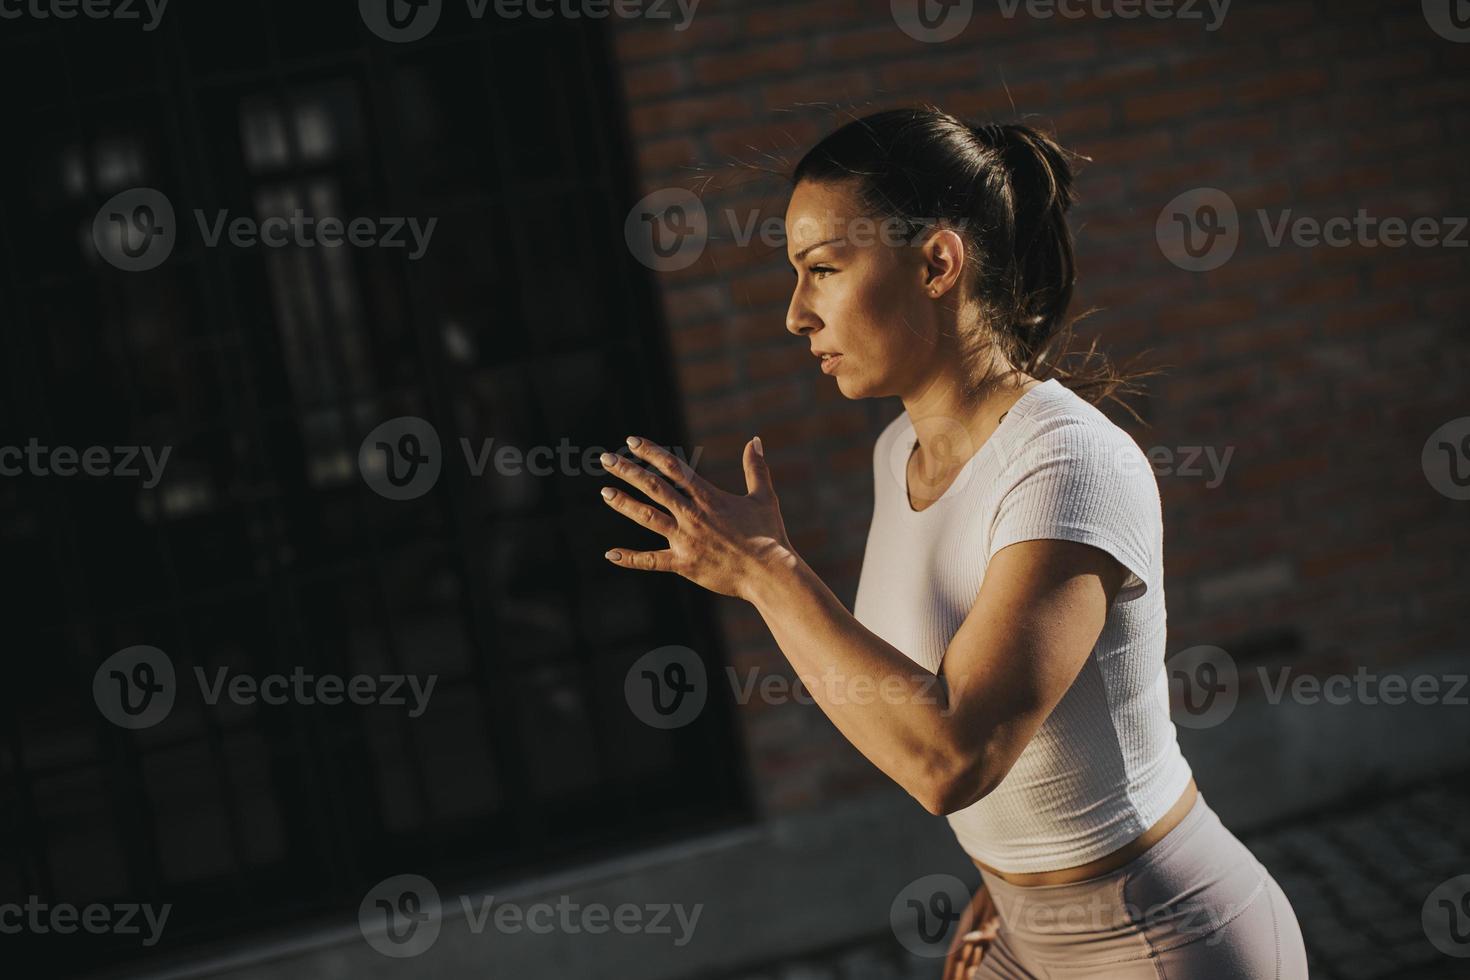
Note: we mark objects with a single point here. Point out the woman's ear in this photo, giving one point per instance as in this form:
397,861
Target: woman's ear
943,255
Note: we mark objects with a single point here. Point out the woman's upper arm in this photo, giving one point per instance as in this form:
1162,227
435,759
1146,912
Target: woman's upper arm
1041,608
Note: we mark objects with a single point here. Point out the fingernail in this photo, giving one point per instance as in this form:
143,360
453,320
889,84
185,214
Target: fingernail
607,493
634,442
613,555
607,459
759,450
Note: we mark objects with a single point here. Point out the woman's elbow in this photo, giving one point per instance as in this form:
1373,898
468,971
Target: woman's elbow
957,789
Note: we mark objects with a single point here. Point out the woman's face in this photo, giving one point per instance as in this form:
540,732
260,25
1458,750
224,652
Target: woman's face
860,291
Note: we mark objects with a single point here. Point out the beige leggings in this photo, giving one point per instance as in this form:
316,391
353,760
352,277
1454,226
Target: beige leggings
1195,906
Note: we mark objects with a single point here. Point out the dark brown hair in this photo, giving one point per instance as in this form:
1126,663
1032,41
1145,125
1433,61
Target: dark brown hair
1005,189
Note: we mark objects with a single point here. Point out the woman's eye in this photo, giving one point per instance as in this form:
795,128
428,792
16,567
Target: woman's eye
820,270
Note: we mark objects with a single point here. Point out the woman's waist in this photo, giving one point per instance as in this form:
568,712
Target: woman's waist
1023,844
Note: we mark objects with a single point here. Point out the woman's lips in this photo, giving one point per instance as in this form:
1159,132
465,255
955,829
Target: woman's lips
829,364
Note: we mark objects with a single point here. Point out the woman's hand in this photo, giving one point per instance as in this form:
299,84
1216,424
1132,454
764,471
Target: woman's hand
973,935
716,539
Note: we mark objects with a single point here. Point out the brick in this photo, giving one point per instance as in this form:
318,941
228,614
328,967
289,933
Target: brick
1161,106
700,377
660,156
1232,131
845,87
1007,103
779,362
1276,86
647,81
778,142
660,118
755,64
688,341
793,20
1142,145
1115,80
869,42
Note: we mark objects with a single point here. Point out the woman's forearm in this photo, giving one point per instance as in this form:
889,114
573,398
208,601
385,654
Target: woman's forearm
895,712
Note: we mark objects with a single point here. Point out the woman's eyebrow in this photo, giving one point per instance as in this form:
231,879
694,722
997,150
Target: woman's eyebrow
802,253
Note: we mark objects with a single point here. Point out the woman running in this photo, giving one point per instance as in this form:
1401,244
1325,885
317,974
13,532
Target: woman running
1015,554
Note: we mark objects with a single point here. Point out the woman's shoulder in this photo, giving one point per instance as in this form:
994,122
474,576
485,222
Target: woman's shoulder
1060,419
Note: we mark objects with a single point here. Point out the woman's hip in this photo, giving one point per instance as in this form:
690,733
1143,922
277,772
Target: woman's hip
1197,900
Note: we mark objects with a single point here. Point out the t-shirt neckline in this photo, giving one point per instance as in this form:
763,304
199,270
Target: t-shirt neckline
910,438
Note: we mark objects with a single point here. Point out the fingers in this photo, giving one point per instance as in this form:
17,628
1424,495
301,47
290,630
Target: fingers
679,473
952,964
640,512
647,561
650,483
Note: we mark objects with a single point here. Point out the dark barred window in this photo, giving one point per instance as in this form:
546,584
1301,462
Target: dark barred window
254,450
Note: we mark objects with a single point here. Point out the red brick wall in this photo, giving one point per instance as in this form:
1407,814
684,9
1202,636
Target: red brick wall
1325,369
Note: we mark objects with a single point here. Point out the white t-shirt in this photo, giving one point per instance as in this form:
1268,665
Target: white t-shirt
1105,765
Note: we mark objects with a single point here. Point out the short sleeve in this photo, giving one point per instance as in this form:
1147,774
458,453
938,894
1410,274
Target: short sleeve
1084,481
